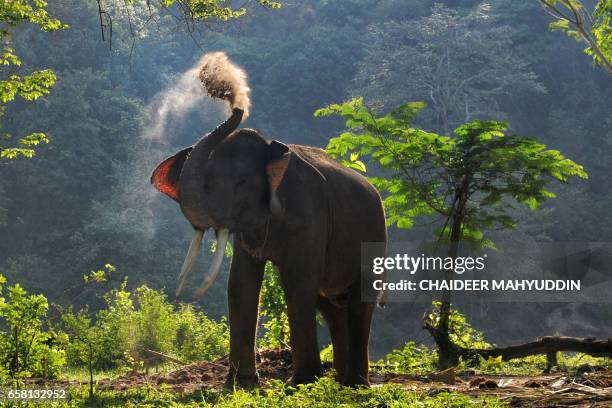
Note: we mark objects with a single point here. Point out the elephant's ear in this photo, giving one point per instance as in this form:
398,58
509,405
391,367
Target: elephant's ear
279,158
166,176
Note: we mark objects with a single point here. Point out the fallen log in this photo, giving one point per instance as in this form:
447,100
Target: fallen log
546,345
549,345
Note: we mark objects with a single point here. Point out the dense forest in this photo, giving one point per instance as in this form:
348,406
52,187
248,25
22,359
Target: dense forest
125,97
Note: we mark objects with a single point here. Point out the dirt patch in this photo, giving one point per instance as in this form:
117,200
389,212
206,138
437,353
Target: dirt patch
271,365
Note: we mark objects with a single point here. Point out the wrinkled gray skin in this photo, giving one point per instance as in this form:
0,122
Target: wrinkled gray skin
314,232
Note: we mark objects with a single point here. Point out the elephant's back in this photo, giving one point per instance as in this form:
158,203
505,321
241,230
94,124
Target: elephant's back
333,171
352,197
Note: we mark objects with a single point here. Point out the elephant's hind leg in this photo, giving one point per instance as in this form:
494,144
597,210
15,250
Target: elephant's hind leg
359,323
336,317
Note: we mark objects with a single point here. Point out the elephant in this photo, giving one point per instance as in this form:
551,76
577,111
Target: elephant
289,204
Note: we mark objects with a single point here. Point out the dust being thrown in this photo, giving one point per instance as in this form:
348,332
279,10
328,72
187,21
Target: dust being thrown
161,135
183,96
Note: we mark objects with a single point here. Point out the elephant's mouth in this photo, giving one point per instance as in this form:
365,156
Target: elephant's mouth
192,256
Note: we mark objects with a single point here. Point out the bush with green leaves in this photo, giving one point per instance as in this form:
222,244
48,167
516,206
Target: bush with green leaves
137,327
412,359
460,330
419,359
27,348
115,325
199,338
153,325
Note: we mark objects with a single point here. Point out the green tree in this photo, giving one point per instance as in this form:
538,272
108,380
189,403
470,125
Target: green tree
210,9
461,63
13,83
134,17
593,28
470,180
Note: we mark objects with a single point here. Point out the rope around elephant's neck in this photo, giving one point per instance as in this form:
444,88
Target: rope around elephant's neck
257,252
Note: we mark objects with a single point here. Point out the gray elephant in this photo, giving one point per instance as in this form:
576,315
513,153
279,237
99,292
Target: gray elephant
292,205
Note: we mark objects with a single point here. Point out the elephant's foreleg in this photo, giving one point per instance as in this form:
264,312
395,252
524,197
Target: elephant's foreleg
337,321
244,285
359,322
301,294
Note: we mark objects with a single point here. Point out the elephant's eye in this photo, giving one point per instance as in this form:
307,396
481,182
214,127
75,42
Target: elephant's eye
241,182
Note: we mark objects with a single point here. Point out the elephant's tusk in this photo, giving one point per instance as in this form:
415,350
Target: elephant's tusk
215,266
190,259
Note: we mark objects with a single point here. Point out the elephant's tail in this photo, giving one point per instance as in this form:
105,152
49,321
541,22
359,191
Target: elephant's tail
225,80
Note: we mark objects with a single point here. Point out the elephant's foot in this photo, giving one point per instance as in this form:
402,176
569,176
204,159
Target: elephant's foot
338,377
246,382
355,380
305,377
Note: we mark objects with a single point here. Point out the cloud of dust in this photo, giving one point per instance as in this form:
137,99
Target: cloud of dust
176,101
140,210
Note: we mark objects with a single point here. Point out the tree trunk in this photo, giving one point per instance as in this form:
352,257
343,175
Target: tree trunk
551,361
14,366
448,355
91,380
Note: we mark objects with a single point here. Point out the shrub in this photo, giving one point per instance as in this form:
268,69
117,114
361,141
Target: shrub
135,322
26,347
198,337
153,326
412,359
115,327
460,330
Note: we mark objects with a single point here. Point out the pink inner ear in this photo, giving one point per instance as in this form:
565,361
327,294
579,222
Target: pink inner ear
160,178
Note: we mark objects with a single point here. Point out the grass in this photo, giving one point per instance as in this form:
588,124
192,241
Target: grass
535,365
324,393
82,374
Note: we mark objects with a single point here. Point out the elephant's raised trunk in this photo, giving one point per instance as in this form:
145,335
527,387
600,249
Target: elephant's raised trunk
191,182
192,255
222,79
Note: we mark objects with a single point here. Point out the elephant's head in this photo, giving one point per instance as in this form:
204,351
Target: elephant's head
228,182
